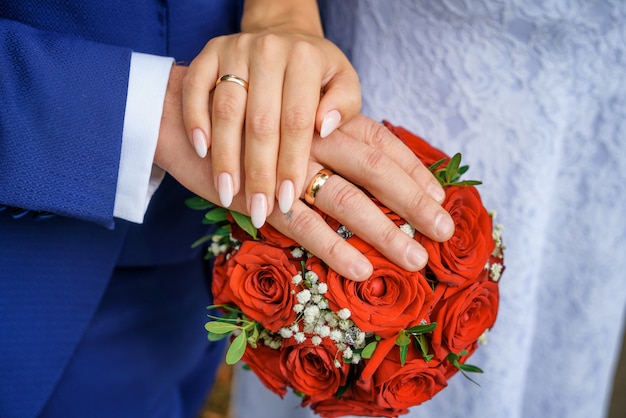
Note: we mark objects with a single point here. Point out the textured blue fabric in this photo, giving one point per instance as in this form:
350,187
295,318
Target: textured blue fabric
63,83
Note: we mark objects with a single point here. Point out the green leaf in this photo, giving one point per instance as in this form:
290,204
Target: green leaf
422,329
217,337
201,241
403,339
236,349
404,349
437,164
423,346
218,327
368,351
198,203
453,167
468,183
468,368
222,231
245,223
216,215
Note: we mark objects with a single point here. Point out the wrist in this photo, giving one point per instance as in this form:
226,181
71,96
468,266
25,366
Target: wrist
171,119
282,16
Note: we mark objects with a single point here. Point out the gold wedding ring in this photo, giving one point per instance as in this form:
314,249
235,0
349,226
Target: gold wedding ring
233,78
316,184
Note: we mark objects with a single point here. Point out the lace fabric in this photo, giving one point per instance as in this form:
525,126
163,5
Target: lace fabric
533,94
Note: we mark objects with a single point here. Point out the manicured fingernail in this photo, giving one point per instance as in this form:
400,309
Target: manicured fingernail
444,225
286,194
361,269
416,255
330,123
199,142
258,209
435,191
225,189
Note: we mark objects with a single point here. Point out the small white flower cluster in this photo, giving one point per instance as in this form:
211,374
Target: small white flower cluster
317,321
218,246
408,229
482,340
495,269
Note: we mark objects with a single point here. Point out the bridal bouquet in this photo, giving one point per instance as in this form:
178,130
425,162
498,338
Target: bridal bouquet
371,348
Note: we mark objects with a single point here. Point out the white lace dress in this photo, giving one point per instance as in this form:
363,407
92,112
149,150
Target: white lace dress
533,93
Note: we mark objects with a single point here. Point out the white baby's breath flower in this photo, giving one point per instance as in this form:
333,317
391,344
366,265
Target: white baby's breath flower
322,304
294,327
316,340
495,272
482,340
344,324
337,363
313,311
298,308
344,313
356,358
304,296
309,328
311,277
299,337
322,288
275,344
297,279
408,229
347,353
297,252
324,331
331,319
286,332
316,299
336,335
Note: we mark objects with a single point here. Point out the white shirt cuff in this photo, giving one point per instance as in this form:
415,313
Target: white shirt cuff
138,178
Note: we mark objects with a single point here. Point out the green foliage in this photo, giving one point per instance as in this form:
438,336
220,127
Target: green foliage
450,175
245,223
454,358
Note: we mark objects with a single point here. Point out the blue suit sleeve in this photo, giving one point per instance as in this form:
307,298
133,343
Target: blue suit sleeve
61,117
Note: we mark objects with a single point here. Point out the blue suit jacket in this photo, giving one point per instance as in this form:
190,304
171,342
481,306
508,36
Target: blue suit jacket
63,81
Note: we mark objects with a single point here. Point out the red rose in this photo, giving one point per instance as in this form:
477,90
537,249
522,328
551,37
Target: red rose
272,236
405,386
463,317
311,369
463,256
219,281
354,402
265,363
422,149
260,280
392,299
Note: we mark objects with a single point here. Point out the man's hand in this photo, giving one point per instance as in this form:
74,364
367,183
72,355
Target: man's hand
362,152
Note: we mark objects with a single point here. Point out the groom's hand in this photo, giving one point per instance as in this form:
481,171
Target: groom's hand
363,153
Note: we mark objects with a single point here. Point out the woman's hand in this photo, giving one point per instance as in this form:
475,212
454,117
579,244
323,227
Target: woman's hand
297,83
378,161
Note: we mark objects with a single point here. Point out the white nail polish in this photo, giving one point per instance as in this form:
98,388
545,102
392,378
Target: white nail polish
225,189
199,142
330,123
258,209
286,194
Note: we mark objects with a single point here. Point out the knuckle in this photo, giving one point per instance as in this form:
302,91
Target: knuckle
268,44
303,223
262,125
226,107
376,163
377,135
297,119
345,200
417,203
304,51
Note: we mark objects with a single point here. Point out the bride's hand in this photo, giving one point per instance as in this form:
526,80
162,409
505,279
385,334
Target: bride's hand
362,152
289,81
